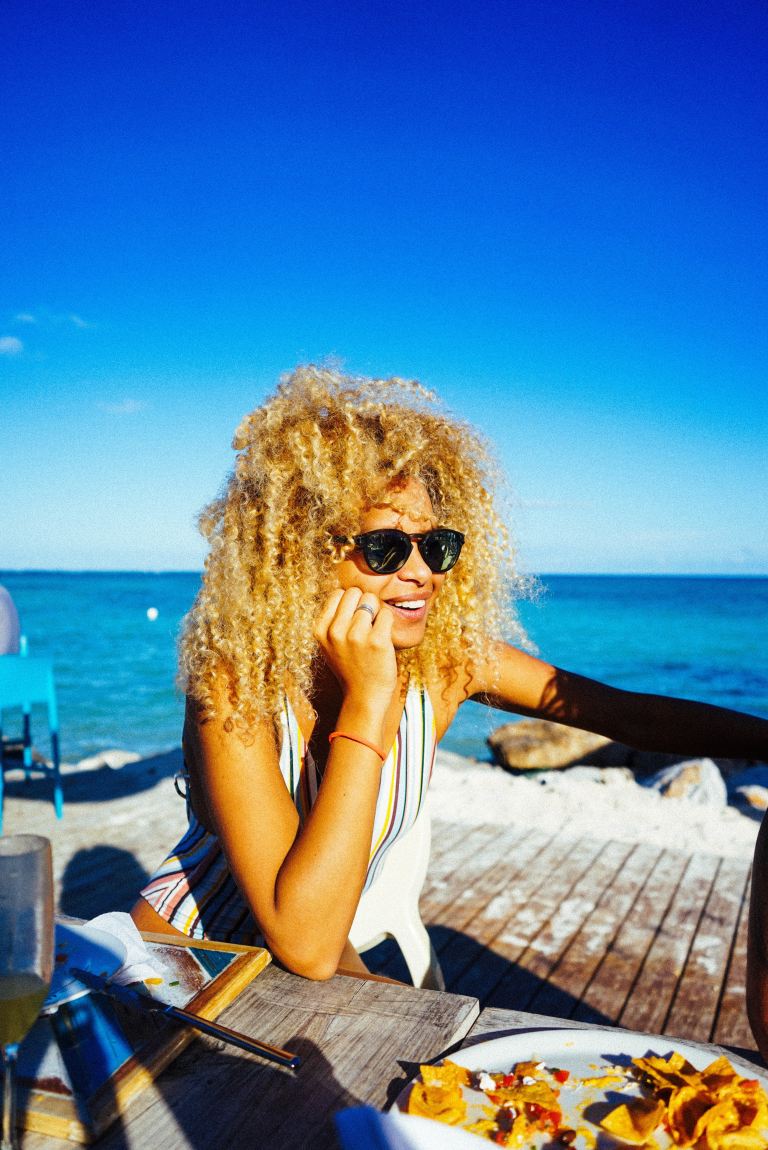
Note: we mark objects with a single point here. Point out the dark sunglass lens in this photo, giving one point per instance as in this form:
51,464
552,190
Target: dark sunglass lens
385,551
441,549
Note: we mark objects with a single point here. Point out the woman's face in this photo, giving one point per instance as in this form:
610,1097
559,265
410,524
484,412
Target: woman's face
410,592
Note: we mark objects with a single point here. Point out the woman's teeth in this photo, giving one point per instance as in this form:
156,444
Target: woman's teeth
410,604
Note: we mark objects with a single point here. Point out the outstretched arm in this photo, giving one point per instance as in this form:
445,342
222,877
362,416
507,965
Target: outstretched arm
515,681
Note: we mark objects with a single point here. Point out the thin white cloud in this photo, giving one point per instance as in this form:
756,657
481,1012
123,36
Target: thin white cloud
10,345
123,407
52,319
552,504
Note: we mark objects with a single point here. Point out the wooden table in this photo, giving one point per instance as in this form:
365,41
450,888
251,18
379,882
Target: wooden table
359,1039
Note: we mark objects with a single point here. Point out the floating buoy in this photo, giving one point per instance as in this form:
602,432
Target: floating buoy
152,613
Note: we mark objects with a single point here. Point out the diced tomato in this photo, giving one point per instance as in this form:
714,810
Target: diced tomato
534,1109
749,1084
561,1075
500,1138
509,1080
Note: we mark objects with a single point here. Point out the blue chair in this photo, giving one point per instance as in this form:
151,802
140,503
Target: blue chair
24,681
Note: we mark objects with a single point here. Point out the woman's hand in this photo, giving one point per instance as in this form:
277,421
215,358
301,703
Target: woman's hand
354,630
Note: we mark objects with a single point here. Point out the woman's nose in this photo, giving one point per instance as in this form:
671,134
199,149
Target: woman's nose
416,569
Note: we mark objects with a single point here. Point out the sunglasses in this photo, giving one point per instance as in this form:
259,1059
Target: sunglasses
388,550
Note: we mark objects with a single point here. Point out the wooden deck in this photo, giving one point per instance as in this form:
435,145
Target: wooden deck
605,932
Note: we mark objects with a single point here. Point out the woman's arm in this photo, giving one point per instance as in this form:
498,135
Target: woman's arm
303,883
515,681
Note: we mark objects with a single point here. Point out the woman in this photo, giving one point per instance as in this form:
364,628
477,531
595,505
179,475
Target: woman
353,598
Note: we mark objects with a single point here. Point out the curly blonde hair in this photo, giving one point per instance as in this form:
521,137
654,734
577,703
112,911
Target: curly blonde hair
319,451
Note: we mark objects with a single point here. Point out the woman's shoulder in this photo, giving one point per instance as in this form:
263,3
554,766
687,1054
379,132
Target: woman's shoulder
445,692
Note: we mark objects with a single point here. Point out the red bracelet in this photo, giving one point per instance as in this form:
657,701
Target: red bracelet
357,739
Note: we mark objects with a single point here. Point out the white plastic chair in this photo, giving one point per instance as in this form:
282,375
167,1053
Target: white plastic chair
390,909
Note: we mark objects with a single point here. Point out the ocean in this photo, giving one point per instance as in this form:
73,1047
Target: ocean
112,639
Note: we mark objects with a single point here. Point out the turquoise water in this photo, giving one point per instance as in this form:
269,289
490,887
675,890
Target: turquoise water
704,638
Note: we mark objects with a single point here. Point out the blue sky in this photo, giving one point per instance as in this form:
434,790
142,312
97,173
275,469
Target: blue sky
552,213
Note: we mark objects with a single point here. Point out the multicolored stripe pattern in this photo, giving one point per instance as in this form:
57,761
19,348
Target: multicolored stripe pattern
193,888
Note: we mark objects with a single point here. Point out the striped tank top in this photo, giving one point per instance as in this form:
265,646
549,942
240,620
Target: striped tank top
193,888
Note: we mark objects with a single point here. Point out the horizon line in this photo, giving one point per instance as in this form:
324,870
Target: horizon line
528,574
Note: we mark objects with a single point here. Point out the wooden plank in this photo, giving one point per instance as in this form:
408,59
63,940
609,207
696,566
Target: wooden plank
471,945
567,983
697,996
503,862
445,870
446,837
651,996
731,1024
537,962
513,918
610,986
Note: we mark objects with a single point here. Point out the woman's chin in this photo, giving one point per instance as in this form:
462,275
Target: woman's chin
407,636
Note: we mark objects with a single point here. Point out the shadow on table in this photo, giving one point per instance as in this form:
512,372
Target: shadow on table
99,879
213,1098
209,1097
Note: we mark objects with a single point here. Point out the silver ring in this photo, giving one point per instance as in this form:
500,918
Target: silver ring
366,607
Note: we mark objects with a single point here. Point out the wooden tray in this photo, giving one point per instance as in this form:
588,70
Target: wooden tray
78,1069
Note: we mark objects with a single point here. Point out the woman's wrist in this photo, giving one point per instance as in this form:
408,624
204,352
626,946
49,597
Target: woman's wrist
360,740
365,707
364,718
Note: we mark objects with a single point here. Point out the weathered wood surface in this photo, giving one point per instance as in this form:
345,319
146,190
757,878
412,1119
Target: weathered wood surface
359,1042
598,932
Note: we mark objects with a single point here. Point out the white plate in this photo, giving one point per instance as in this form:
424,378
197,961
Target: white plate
585,1054
84,947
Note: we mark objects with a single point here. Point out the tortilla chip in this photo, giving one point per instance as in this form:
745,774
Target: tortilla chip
685,1109
445,1104
634,1122
740,1140
448,1074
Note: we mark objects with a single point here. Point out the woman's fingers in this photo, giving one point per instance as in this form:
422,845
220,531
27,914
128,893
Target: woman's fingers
327,614
365,612
382,624
355,630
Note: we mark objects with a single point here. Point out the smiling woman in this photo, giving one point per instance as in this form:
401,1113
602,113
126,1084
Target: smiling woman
353,598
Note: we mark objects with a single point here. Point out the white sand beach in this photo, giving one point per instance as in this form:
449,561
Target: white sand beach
606,803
